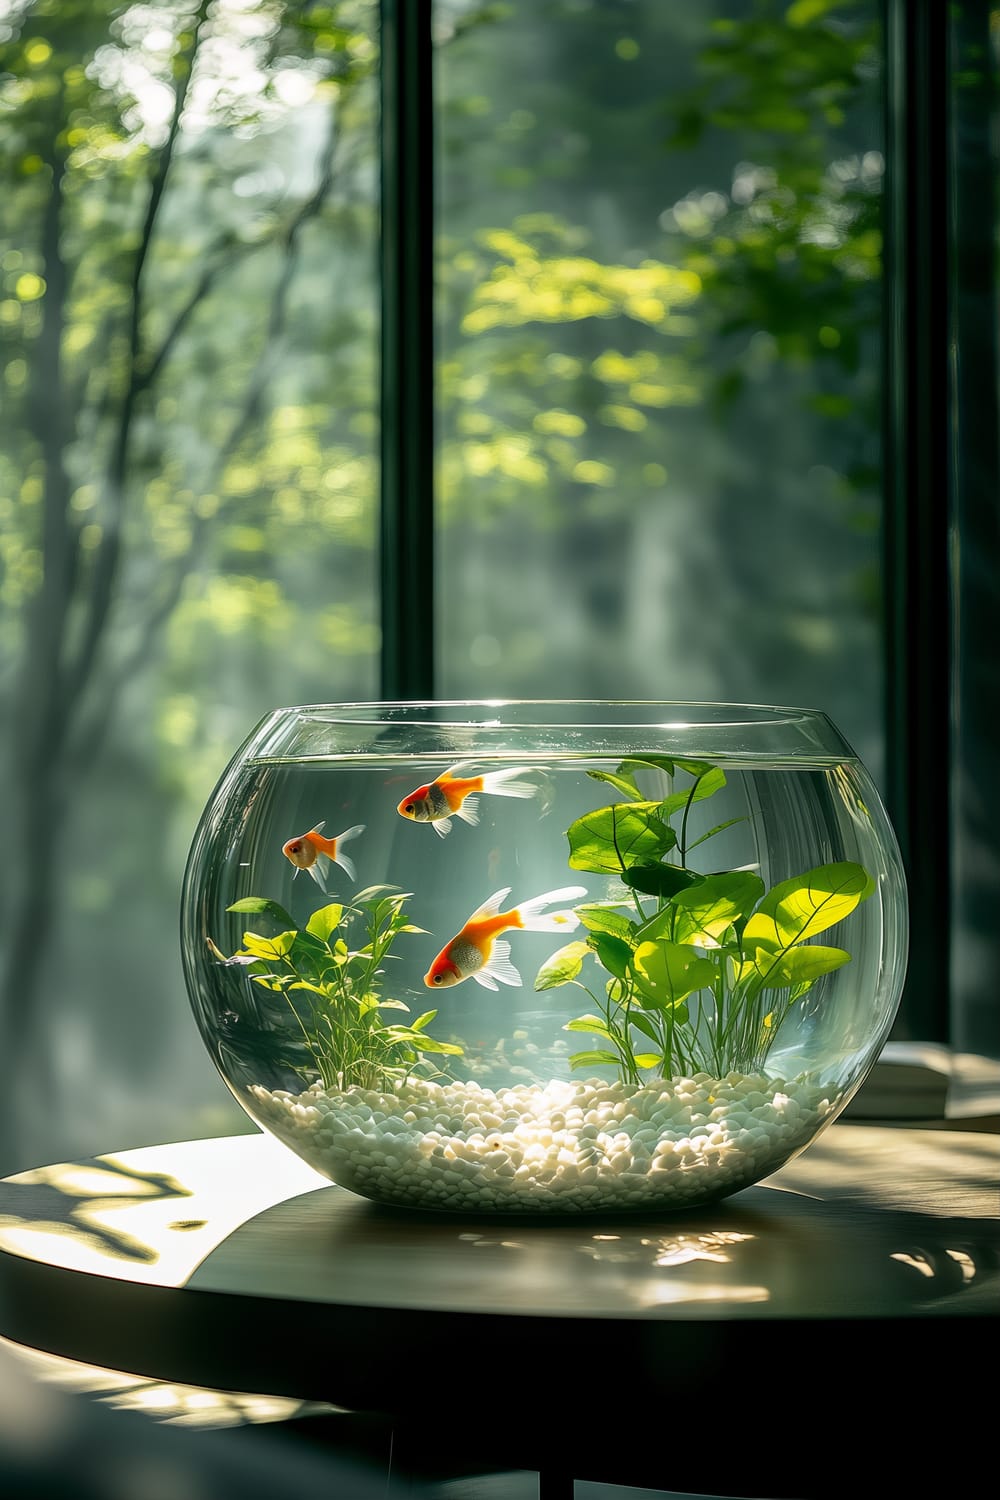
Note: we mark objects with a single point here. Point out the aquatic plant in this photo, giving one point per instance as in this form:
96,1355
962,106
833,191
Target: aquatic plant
334,990
702,980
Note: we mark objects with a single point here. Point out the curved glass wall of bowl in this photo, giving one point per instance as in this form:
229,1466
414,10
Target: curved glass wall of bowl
544,957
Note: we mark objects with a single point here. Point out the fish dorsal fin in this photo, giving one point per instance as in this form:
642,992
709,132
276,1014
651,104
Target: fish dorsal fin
318,827
492,906
462,768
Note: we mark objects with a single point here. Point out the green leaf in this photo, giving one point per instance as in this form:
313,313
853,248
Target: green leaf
591,1059
422,1021
648,1059
797,965
262,904
374,893
325,921
593,1024
797,909
605,919
263,947
422,1043
614,953
719,828
563,966
711,782
624,784
310,948
657,880
651,762
612,838
696,767
704,912
667,972
644,1024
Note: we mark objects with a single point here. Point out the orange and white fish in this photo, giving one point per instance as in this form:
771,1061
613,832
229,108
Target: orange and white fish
312,852
479,953
453,795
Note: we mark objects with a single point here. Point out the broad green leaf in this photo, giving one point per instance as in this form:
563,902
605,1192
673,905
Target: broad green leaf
713,781
796,966
429,1044
653,762
562,966
308,947
608,840
422,1021
592,1024
423,1043
605,919
614,953
667,972
695,767
624,784
263,947
657,880
591,1059
325,921
648,1059
797,909
393,1005
705,911
262,904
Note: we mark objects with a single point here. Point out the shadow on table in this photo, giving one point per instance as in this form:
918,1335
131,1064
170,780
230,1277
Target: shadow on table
57,1446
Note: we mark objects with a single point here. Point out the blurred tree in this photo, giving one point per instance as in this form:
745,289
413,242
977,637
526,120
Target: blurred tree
156,276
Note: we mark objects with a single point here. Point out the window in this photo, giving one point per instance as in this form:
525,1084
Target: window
557,348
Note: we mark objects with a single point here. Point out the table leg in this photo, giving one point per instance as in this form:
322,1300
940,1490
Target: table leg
555,1484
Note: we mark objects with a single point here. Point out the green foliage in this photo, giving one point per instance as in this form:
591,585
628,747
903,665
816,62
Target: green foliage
333,990
708,976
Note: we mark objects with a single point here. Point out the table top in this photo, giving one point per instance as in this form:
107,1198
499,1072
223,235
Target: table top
229,1262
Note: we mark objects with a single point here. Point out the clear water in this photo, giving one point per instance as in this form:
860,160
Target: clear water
785,821
508,1122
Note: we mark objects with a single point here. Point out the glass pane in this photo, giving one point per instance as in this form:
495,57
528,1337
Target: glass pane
189,482
975,38
660,352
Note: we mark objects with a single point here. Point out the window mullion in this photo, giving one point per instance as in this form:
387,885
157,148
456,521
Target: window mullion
917,572
407,351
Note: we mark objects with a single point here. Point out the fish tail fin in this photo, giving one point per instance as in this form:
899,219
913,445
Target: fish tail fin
504,784
344,860
535,919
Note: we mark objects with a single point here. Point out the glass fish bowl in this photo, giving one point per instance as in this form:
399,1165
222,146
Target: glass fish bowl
544,957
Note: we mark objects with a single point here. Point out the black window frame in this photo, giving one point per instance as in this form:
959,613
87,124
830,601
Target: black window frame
931,403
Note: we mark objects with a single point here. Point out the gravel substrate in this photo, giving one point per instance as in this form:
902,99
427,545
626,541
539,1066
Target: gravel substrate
563,1147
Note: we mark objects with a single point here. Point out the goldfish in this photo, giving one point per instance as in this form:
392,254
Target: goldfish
312,852
454,795
479,953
